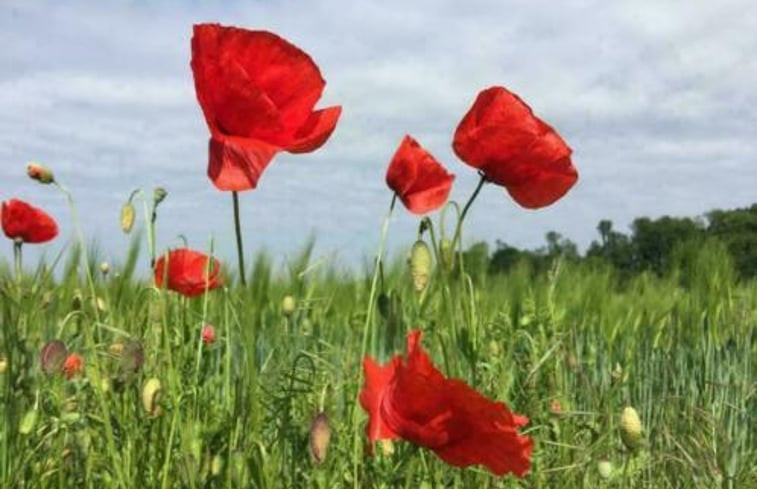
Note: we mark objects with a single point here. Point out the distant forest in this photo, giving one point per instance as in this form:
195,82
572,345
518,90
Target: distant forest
653,245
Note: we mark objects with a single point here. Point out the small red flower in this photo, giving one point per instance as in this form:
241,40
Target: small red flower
411,399
27,223
258,93
187,272
417,178
74,365
208,334
502,137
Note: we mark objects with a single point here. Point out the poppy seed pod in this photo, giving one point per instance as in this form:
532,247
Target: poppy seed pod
128,215
630,428
420,265
288,305
151,392
320,436
40,173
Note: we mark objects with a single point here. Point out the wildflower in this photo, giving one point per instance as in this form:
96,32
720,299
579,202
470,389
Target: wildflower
510,146
73,365
410,399
187,272
257,92
421,183
208,334
27,224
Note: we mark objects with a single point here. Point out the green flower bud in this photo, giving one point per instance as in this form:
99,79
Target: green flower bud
40,173
630,428
420,265
128,215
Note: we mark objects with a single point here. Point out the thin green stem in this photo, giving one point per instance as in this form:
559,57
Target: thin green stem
367,332
459,227
240,248
17,258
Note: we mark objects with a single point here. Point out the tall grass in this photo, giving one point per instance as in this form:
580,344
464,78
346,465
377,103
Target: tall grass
568,348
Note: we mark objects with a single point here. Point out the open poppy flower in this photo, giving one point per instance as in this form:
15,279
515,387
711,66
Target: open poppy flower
25,222
412,400
258,93
187,272
417,178
73,365
502,137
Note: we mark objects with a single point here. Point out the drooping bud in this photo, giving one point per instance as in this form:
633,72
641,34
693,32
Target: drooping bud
159,194
128,215
420,265
288,305
630,428
40,173
151,393
52,356
320,436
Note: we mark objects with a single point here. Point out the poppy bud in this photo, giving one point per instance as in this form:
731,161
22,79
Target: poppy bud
73,365
208,334
604,467
320,436
116,349
288,305
420,264
28,422
446,254
617,374
52,356
387,447
128,215
132,358
151,393
104,268
159,195
630,428
40,173
101,305
216,465
3,365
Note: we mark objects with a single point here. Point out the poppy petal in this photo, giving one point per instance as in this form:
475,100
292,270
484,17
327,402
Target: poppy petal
26,222
237,163
376,381
316,130
187,272
545,187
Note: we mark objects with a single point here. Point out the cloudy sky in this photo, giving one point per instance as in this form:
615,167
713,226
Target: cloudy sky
657,99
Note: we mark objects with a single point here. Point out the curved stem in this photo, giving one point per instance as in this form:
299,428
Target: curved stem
459,228
238,230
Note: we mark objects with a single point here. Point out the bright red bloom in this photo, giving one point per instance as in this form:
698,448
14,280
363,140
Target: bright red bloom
73,365
27,223
188,272
411,399
417,178
208,334
258,93
502,137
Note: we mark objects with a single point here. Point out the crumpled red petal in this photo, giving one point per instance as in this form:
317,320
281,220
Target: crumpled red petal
376,380
502,137
23,221
420,181
316,130
187,273
236,164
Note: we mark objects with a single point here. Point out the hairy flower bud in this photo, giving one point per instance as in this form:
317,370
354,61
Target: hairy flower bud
159,194
151,393
288,305
128,215
40,173
320,436
630,428
420,265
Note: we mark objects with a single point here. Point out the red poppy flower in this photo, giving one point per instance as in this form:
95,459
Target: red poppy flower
417,178
257,92
187,272
411,399
208,334
27,223
73,365
502,137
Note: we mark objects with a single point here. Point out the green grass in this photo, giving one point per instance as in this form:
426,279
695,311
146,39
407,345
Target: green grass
680,349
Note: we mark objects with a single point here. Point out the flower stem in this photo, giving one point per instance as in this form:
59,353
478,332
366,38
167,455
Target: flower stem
459,228
17,258
238,230
367,330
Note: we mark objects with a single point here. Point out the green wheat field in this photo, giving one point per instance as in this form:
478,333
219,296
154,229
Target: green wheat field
570,348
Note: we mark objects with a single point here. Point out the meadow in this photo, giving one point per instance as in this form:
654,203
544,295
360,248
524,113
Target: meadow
569,349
